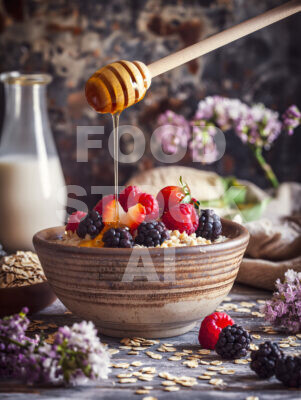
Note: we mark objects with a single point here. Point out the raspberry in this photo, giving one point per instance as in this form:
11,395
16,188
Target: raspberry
128,196
151,206
264,359
151,234
210,226
92,225
211,327
233,342
74,220
103,202
119,237
182,217
288,371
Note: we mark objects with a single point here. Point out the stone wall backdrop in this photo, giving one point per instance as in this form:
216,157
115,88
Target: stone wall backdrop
71,39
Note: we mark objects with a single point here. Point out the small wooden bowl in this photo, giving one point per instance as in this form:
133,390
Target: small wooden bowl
35,297
185,283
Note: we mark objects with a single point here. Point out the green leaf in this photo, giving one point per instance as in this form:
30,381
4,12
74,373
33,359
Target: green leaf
254,212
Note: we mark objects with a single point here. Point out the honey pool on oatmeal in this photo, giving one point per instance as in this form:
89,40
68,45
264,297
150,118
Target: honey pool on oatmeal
177,239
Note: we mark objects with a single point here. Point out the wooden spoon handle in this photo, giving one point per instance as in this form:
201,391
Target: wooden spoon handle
225,37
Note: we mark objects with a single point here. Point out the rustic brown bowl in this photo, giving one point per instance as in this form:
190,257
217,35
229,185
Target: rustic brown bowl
183,284
35,297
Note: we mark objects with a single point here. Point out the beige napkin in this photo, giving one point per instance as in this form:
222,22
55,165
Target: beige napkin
275,241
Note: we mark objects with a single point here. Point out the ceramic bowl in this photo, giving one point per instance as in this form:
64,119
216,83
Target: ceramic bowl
142,292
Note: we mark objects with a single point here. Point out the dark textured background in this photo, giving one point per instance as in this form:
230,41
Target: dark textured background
71,39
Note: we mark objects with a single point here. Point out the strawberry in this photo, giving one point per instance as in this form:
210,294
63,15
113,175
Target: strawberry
102,203
211,327
74,220
181,217
109,215
151,205
173,195
128,197
133,218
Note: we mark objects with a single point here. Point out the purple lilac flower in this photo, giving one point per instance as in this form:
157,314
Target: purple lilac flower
76,356
291,119
173,132
202,145
284,309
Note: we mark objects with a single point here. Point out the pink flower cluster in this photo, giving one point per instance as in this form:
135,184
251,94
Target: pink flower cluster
284,309
256,125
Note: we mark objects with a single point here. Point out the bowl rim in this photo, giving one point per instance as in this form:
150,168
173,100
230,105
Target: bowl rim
241,239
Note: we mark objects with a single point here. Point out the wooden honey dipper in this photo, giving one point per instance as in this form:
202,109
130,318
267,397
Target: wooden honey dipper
121,84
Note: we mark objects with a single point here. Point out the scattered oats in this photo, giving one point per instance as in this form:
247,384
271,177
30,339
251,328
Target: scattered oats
246,304
216,362
191,363
147,387
125,347
255,336
142,391
137,373
172,388
210,373
295,344
187,351
153,355
284,345
254,346
298,335
121,365
216,381
227,372
166,375
149,398
148,370
127,380
128,375
146,377
168,344
204,351
133,353
113,351
136,363
241,361
205,377
174,358
204,362
243,310
292,338
215,368
252,398
139,348
179,353
257,314
168,383
227,298
261,301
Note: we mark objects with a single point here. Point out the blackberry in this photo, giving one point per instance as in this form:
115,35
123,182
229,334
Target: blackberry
233,342
2,251
91,225
118,237
264,359
288,371
151,234
210,226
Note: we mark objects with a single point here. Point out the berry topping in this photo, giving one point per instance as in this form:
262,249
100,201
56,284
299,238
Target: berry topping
210,226
128,197
288,371
264,359
118,237
74,220
151,234
211,327
111,210
170,196
134,217
182,217
103,202
151,206
92,225
233,342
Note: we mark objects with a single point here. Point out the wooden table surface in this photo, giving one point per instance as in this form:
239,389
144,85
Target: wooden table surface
240,385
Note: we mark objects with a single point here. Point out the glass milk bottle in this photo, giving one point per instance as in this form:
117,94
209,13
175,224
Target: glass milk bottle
32,187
